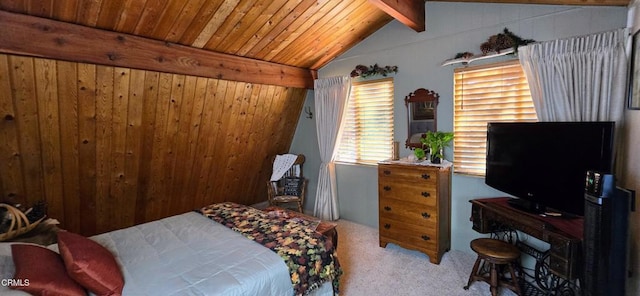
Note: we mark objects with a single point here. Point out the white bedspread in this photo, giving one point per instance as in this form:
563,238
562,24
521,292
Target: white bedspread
187,254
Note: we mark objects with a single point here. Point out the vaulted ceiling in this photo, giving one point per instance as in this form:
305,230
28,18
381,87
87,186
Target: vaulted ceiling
301,33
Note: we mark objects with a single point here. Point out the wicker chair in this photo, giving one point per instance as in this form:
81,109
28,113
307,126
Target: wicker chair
290,188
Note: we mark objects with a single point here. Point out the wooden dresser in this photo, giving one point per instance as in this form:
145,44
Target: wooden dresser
414,207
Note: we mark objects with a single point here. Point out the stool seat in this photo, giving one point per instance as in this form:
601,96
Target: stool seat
497,254
495,249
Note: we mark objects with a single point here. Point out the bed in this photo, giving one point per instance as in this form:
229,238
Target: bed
222,249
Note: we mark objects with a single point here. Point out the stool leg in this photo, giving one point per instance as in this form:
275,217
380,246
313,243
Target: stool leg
514,279
474,270
494,280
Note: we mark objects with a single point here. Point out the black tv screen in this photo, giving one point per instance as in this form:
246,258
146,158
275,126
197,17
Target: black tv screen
544,164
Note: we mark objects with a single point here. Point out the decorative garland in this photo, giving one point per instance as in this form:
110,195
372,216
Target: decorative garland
364,71
502,41
505,43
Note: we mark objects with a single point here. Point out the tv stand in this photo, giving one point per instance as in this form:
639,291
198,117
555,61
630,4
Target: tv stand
491,215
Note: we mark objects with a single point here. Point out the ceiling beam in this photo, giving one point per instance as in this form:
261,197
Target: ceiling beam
408,12
45,38
550,2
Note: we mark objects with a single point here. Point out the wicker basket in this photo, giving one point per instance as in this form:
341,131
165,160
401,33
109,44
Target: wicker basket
19,223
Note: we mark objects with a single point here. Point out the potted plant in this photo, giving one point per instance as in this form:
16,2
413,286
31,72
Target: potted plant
435,142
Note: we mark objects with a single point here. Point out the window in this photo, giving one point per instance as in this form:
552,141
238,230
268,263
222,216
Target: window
367,135
488,93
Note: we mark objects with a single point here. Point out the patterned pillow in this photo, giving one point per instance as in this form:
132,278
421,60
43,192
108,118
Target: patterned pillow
44,271
90,264
292,186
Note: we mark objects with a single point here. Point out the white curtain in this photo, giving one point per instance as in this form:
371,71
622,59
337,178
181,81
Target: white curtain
578,79
331,96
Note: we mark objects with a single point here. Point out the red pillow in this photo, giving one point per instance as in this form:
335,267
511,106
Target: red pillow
90,264
40,271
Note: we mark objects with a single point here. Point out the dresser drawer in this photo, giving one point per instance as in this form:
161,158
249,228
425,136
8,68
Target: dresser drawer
408,212
422,236
423,176
425,195
563,251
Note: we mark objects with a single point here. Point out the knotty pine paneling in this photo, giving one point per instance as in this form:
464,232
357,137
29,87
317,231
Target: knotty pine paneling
109,147
268,30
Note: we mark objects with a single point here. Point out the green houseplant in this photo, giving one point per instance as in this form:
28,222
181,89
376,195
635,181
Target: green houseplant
435,142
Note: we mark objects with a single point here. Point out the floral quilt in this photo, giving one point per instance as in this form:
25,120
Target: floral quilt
312,260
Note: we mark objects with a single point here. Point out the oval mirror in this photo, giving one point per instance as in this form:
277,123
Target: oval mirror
422,107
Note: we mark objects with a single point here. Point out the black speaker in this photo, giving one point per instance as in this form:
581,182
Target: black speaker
606,231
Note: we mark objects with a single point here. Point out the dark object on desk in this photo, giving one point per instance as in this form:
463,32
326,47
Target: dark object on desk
497,254
606,233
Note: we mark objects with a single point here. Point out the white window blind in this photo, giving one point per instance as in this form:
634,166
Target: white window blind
482,94
367,131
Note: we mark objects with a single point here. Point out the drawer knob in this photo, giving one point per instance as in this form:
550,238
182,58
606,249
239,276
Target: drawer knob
426,215
426,194
387,208
425,176
387,172
387,188
387,226
425,237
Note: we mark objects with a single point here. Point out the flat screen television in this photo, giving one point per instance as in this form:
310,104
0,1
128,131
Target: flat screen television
544,164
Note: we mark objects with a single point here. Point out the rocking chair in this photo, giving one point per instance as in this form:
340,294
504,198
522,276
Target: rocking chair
290,188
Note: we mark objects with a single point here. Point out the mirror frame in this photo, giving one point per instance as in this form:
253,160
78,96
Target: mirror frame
411,101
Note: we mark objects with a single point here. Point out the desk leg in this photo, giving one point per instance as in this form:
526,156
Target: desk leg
552,284
543,281
546,282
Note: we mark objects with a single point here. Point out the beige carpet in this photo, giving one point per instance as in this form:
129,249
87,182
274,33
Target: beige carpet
372,270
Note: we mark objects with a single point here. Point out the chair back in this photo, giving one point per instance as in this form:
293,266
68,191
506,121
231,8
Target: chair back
296,169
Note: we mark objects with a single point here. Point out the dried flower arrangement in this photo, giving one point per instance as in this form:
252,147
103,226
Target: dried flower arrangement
502,41
496,45
364,71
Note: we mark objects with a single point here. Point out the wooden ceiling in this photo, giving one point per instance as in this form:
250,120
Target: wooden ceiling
301,33
305,34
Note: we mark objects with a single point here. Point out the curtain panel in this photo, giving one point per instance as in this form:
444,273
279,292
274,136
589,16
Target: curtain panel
331,97
579,78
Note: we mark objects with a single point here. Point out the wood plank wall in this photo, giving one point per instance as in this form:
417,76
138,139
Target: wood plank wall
110,147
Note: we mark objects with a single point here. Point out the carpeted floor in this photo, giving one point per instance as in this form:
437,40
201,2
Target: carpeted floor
372,270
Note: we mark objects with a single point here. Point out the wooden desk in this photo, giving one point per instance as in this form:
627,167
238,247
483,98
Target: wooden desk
563,234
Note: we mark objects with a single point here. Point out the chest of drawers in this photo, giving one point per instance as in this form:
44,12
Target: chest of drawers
414,207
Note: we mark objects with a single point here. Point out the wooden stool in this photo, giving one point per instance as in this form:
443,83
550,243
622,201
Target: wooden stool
497,254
